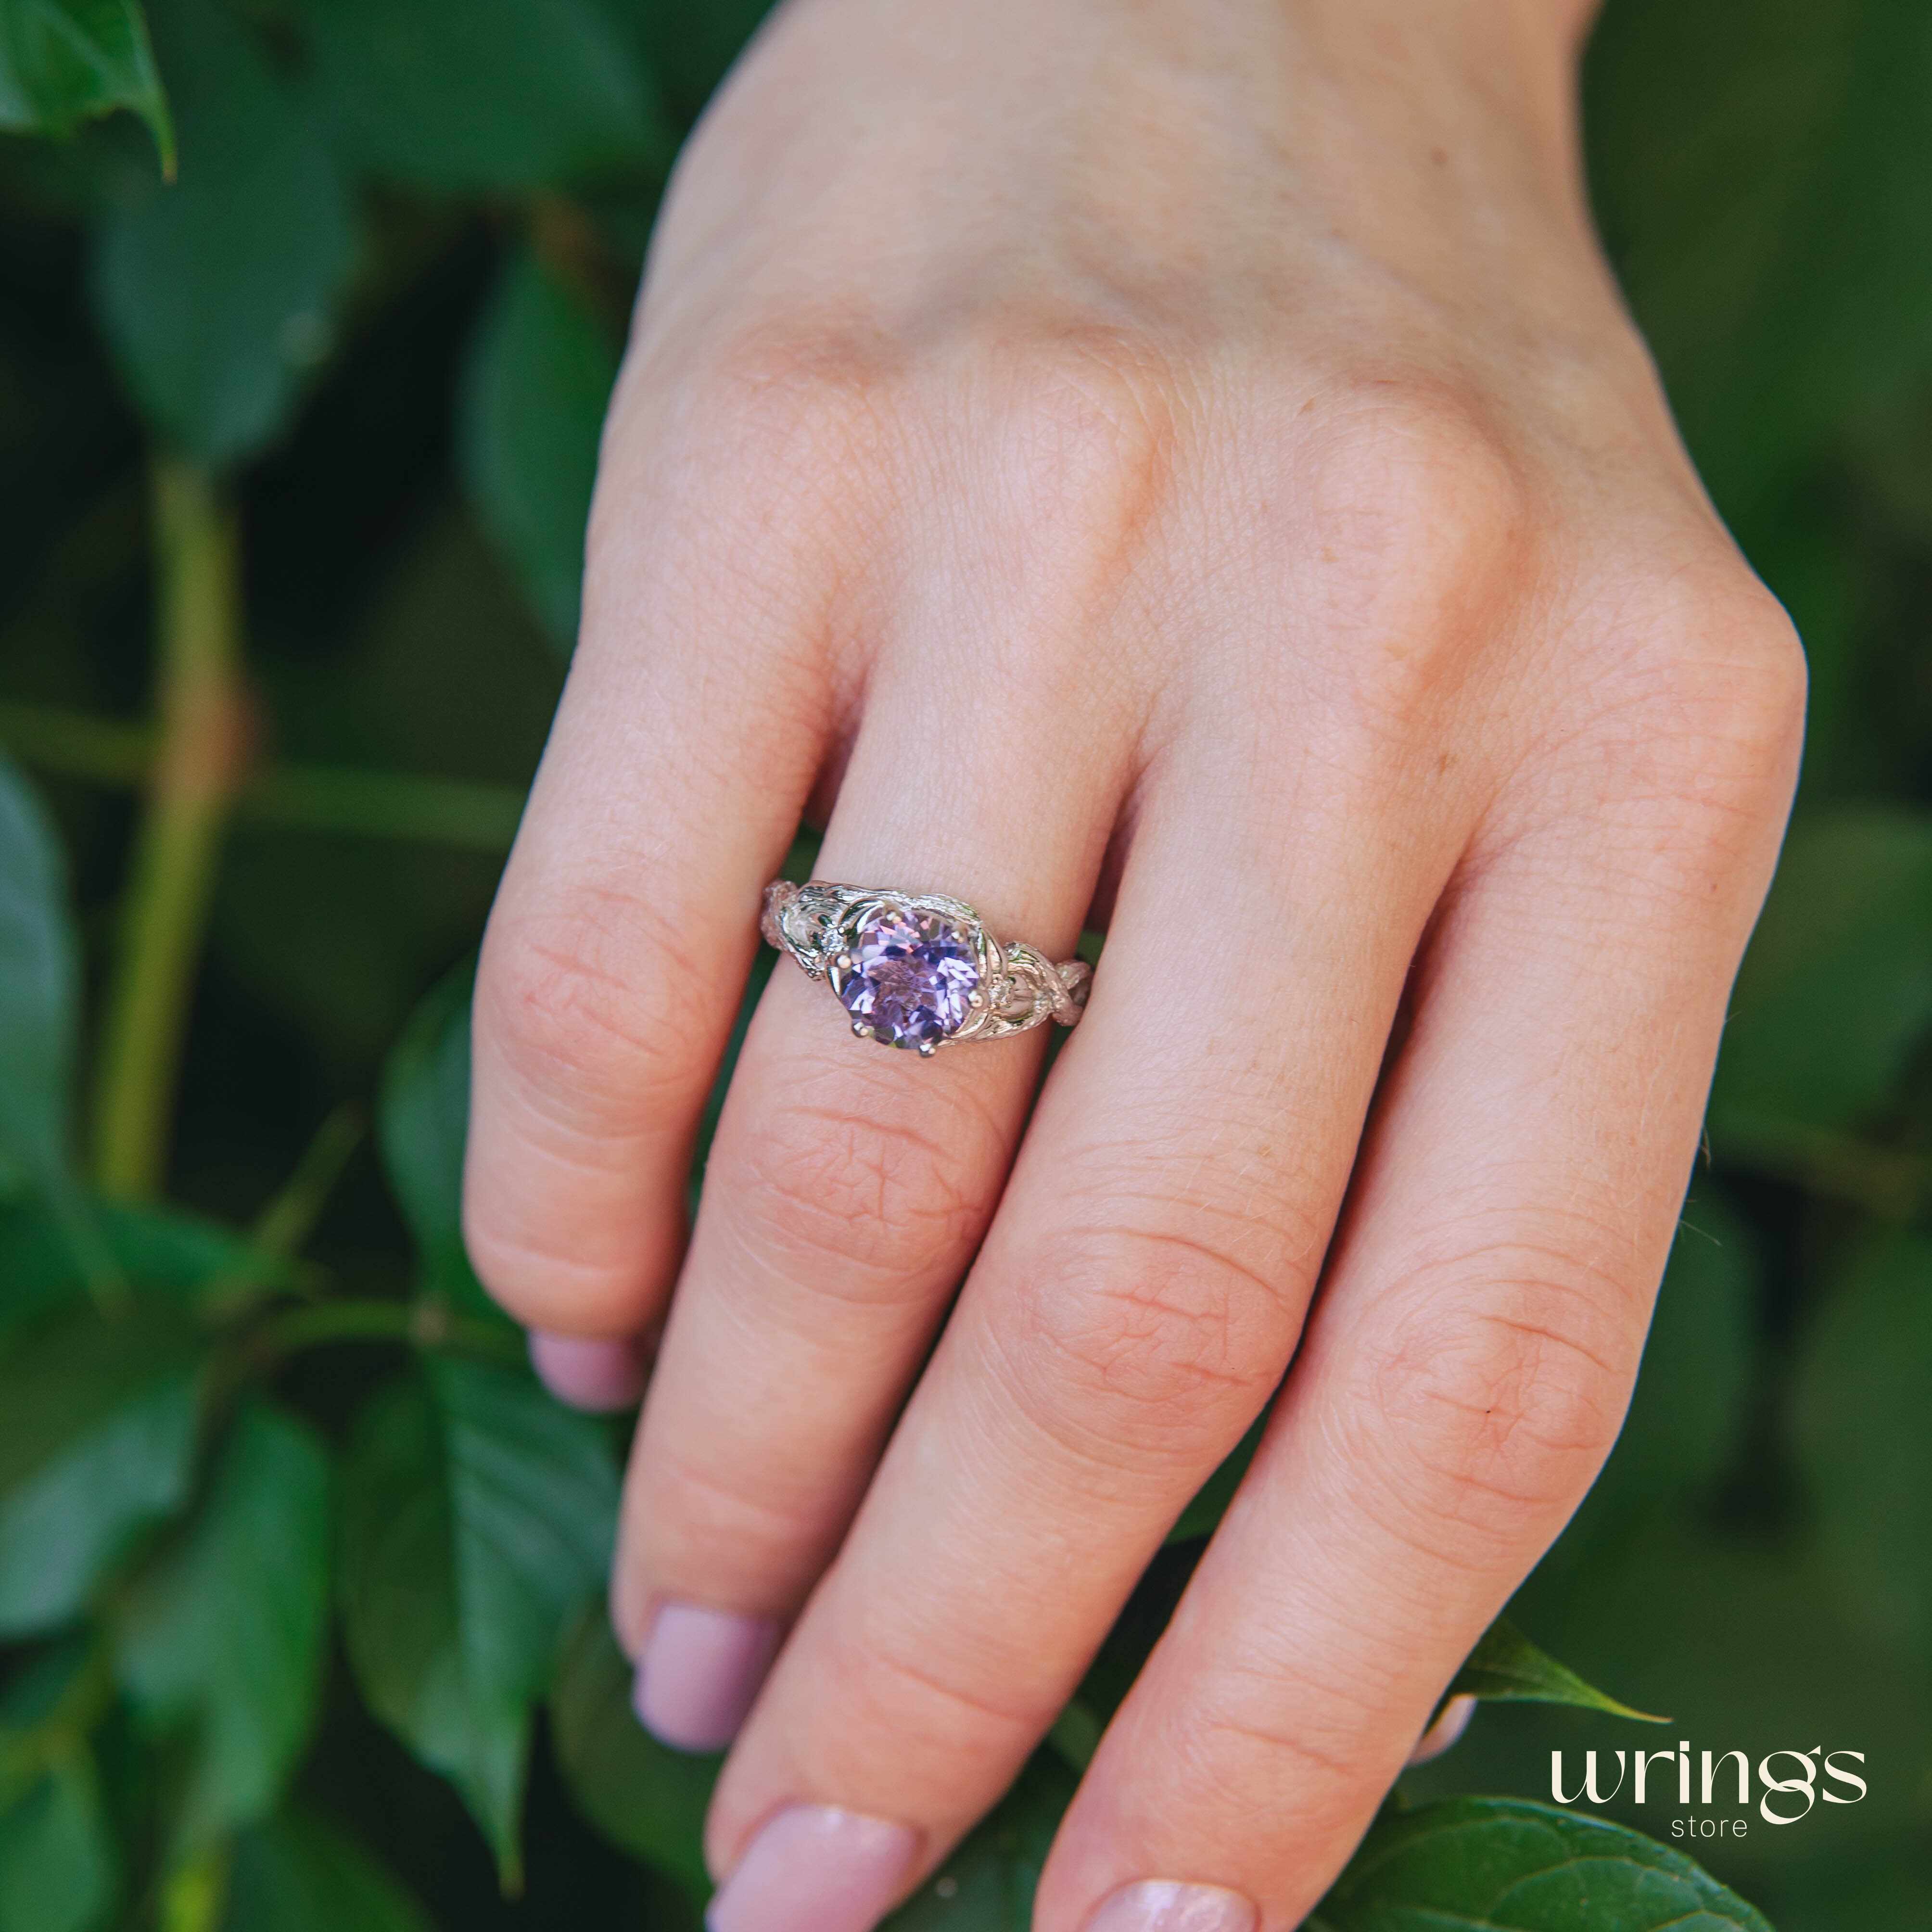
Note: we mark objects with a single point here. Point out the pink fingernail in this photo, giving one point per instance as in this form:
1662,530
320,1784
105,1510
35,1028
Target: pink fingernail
595,1375
1156,1905
700,1671
1453,1721
815,1868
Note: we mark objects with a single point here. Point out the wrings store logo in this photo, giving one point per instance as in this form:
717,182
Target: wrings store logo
1809,1778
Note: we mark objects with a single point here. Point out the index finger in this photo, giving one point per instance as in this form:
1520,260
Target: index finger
690,734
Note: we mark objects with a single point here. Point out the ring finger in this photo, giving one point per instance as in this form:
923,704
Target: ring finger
846,1190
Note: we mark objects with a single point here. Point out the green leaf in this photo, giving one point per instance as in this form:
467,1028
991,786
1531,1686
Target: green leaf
648,1799
689,47
1686,1430
39,980
403,1614
158,1251
987,1884
218,295
1505,1667
534,395
59,1869
298,1873
224,1636
65,1529
477,1516
1863,1392
466,95
64,62
1496,1865
40,975
422,1121
1875,1882
63,1377
35,1691
1687,1416
1836,991
1764,175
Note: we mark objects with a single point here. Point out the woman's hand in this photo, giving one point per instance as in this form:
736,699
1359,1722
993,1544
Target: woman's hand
1185,458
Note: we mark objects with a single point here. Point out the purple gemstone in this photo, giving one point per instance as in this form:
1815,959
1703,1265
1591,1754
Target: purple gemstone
912,977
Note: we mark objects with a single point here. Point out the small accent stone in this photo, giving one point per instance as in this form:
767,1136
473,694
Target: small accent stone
912,978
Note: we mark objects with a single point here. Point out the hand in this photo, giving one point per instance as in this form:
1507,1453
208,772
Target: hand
1185,459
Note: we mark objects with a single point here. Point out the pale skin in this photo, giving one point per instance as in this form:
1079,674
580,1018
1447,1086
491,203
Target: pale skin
1181,465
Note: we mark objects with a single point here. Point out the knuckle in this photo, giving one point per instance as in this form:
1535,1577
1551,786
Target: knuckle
573,1249
1719,676
908,1685
790,399
747,1526
891,1206
542,1277
1678,746
585,1007
737,466
1085,417
1142,1340
1250,1754
1412,518
972,1706
1498,1389
536,1268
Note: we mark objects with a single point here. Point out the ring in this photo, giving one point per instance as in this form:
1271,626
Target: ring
918,969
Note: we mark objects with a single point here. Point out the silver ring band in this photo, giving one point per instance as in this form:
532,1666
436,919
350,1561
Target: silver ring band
919,970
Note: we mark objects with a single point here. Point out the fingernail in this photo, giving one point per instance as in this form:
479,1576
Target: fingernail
1453,1721
1157,1905
815,1868
700,1671
595,1375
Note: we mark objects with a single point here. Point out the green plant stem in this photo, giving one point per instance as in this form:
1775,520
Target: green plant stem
286,1224
1892,1184
301,797
194,1897
193,779
387,804
76,744
423,1323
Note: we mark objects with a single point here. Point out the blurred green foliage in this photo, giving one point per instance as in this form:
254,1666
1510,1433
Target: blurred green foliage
299,1570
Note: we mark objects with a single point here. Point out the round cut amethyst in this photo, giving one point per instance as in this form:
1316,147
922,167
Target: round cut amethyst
912,977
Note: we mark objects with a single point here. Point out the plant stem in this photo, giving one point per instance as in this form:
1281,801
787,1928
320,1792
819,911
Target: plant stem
194,777
77,745
290,1219
1893,1184
194,1896
424,1324
387,804
284,1226
342,798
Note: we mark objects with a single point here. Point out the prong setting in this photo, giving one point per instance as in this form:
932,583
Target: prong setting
919,970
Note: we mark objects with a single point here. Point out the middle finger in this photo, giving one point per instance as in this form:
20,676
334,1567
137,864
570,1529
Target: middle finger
1136,1301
